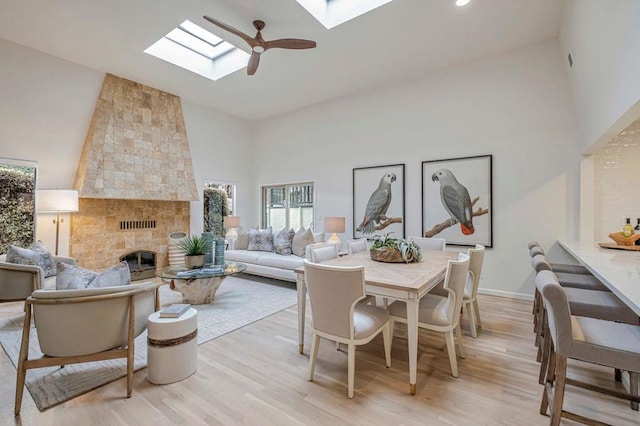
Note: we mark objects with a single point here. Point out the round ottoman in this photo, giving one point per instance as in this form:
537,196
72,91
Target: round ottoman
172,347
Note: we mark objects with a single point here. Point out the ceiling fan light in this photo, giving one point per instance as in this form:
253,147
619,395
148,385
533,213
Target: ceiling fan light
461,3
258,49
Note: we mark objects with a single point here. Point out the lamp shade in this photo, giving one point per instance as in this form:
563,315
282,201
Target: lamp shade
232,221
334,224
56,200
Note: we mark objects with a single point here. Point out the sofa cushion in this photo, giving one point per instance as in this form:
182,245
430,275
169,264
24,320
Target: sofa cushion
275,260
242,242
40,257
260,239
244,256
283,241
301,240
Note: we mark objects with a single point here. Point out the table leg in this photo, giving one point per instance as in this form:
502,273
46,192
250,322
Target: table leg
301,288
412,337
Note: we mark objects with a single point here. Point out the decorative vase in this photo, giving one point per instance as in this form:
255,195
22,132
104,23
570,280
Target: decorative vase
219,252
194,261
388,256
208,256
176,256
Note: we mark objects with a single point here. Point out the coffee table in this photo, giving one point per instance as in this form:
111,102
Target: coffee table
200,287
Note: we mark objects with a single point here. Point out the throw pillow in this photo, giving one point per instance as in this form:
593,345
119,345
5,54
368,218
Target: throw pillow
48,262
22,256
73,277
113,276
260,239
301,240
283,241
242,242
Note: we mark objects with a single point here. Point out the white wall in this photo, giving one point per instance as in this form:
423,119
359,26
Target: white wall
46,105
516,106
603,38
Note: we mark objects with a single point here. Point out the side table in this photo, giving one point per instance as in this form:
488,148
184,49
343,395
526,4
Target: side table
172,347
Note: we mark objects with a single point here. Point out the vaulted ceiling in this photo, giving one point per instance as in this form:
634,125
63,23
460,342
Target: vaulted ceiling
401,40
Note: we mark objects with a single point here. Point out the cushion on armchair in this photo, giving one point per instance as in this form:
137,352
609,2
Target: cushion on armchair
76,278
36,255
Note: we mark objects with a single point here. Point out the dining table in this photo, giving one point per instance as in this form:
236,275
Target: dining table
407,282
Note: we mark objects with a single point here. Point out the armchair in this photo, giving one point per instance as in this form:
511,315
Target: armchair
85,325
17,282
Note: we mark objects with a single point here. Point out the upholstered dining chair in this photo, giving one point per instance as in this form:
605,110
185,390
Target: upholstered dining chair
588,340
76,326
535,248
578,278
334,293
470,299
357,246
440,313
17,282
430,243
321,252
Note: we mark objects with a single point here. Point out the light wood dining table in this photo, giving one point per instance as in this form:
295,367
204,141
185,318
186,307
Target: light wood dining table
399,281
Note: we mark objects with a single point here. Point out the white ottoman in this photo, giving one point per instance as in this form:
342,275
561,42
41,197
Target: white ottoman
172,347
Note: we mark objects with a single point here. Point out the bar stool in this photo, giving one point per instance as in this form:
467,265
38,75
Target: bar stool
535,248
588,340
576,279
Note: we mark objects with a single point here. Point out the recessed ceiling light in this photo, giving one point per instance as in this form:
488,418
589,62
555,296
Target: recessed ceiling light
462,2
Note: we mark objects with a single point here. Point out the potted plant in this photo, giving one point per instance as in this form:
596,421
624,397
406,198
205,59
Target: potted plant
194,248
394,250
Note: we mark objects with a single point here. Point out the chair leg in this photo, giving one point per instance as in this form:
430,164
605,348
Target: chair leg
22,358
472,319
633,388
385,302
351,369
386,338
451,349
458,332
315,342
476,309
545,344
558,395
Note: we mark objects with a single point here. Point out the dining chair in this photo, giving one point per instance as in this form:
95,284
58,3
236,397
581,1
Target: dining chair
430,243
588,340
321,252
334,293
440,313
470,298
357,246
84,325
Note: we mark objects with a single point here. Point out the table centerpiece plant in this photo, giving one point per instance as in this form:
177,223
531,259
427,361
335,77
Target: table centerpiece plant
394,250
194,248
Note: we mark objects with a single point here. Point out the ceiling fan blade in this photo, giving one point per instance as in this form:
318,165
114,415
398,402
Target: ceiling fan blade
289,43
232,30
253,63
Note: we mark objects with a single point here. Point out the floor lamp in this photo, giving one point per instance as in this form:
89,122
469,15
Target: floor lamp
56,201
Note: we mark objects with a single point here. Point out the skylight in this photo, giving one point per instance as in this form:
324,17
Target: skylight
197,50
331,13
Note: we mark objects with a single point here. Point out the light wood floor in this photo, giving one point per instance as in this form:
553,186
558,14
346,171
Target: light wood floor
255,376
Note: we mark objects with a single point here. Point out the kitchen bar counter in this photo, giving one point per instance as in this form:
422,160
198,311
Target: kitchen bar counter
619,270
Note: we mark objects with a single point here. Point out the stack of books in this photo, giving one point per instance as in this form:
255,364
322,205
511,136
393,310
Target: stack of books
195,272
175,310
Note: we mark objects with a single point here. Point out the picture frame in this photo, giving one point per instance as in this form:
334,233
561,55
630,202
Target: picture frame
453,189
370,187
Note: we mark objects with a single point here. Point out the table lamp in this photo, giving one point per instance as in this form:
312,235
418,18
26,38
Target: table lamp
232,222
56,201
334,225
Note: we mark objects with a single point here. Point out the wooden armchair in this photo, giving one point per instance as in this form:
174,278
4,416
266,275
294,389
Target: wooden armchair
17,282
76,326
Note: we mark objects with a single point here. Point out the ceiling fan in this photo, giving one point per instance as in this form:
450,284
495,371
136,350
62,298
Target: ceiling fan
259,45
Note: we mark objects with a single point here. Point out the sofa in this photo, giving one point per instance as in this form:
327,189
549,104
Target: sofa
268,263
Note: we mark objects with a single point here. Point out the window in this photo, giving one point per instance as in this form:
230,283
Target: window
197,50
17,209
288,206
331,13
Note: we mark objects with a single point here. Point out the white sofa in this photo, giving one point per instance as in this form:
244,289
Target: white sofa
268,264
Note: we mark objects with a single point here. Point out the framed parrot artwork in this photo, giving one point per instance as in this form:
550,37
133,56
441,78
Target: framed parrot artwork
457,200
378,201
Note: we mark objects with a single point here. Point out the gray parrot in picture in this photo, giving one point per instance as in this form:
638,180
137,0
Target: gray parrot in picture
455,199
377,205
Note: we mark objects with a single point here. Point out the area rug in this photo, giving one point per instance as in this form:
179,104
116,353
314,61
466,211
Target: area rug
241,300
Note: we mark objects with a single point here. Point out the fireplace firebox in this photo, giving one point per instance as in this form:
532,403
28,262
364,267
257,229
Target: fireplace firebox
142,264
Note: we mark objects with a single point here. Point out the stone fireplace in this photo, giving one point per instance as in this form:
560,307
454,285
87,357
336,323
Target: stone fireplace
135,176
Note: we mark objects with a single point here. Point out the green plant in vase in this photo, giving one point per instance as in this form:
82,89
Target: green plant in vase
194,248
389,249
